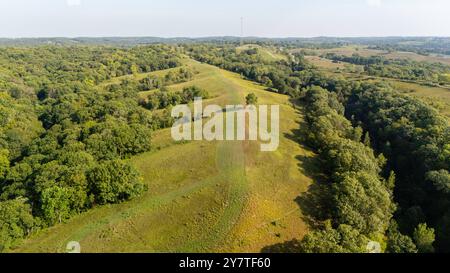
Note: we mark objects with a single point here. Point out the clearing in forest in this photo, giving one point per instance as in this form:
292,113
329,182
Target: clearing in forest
202,196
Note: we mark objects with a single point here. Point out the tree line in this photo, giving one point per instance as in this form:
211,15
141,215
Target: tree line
404,69
416,140
385,155
165,99
151,82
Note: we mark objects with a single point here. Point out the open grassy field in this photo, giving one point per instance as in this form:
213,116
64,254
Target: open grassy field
437,97
367,52
202,196
268,54
330,66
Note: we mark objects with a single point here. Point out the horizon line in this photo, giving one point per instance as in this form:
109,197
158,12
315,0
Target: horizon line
222,36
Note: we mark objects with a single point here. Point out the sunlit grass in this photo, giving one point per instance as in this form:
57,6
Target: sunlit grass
202,196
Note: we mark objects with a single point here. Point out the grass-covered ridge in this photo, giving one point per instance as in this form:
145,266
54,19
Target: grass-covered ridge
202,196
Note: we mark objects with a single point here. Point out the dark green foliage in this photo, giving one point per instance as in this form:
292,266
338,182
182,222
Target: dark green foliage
416,142
440,180
419,45
362,201
148,83
65,138
411,138
343,239
114,181
115,138
50,65
163,100
178,76
190,93
153,82
251,99
399,68
19,125
56,204
62,135
347,155
16,221
4,163
397,242
424,238
281,76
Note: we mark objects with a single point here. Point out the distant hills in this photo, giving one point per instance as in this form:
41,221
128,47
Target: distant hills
421,45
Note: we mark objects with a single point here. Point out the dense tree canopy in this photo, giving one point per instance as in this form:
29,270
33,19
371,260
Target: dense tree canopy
416,140
64,137
397,68
71,116
361,198
410,138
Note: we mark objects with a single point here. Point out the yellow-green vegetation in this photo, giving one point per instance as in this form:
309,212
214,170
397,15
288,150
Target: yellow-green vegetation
367,52
344,50
268,54
202,196
330,66
437,97
139,76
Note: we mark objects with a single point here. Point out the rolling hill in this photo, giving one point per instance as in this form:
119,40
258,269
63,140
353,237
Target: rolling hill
202,196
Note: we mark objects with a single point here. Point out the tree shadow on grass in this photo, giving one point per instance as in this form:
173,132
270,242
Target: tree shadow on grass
315,203
292,246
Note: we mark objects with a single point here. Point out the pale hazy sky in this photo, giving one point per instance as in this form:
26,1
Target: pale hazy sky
196,18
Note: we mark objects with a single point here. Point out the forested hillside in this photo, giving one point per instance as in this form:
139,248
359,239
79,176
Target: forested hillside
359,160
63,139
385,155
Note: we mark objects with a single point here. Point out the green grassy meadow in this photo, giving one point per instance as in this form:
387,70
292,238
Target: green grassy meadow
224,196
438,97
267,54
367,52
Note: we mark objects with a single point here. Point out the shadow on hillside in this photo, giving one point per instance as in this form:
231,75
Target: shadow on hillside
285,247
315,202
